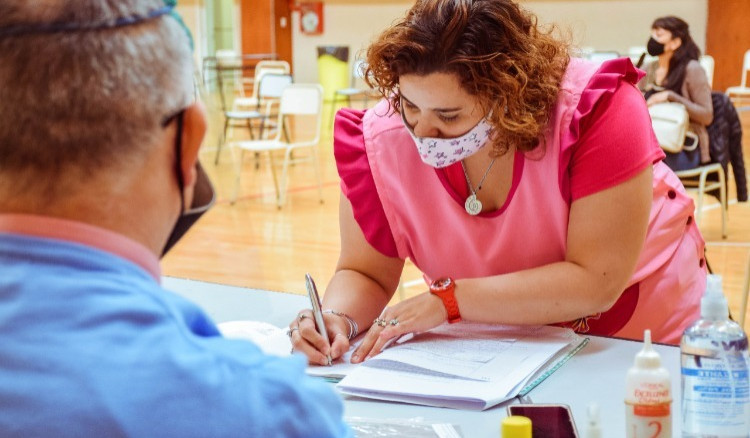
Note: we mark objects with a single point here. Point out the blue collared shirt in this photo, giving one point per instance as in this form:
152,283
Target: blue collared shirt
93,346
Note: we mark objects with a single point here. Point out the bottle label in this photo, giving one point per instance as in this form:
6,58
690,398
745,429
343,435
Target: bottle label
660,410
715,395
648,421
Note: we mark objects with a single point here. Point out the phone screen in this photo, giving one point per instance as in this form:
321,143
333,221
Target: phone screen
547,421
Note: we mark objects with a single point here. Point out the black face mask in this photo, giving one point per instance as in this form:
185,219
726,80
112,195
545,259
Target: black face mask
654,48
203,195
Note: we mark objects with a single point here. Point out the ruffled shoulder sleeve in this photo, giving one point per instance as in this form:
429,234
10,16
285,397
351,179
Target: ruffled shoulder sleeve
357,182
610,138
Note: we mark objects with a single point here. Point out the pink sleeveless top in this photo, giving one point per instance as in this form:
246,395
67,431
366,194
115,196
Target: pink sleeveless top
427,223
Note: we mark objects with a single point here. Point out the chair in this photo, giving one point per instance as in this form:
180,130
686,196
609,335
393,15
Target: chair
304,100
269,90
666,137
354,90
599,56
261,68
707,62
701,186
741,92
639,56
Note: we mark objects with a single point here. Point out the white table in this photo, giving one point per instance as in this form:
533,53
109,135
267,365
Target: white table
595,375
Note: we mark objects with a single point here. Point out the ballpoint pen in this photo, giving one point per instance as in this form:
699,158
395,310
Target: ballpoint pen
320,324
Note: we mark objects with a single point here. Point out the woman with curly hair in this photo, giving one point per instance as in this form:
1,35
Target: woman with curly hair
527,187
677,76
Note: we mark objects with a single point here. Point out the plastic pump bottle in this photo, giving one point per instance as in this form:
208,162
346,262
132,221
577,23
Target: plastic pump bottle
648,395
714,356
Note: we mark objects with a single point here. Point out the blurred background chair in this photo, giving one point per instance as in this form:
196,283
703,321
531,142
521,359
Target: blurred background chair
269,92
707,62
599,56
357,90
300,101
639,56
703,185
262,68
739,94
696,179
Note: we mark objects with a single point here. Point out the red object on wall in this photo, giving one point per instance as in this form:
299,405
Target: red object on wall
311,17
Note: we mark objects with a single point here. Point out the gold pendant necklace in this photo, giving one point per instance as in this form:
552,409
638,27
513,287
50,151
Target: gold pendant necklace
473,205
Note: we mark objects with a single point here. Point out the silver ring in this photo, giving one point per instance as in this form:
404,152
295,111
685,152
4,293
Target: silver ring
380,322
302,316
394,321
290,331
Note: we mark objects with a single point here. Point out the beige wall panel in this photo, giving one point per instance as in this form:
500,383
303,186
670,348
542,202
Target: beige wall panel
602,24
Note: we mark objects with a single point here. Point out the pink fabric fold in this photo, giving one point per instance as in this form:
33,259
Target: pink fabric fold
357,182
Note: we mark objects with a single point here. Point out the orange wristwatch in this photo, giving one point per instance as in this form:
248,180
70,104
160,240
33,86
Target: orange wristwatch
445,289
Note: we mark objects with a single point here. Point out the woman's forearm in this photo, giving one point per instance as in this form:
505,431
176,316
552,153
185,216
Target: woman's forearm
552,293
356,295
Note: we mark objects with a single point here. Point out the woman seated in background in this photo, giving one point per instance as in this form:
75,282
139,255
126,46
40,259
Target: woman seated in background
526,185
677,76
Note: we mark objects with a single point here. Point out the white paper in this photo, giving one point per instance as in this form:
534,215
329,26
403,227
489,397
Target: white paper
466,366
271,339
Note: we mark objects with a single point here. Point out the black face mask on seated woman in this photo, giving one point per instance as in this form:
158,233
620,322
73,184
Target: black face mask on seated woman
654,48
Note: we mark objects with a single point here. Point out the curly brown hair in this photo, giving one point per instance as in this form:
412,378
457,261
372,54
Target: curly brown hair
496,49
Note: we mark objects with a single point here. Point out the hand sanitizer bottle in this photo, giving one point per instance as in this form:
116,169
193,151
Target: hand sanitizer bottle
648,395
714,356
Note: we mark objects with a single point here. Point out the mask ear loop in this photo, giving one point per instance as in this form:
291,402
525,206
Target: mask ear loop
178,158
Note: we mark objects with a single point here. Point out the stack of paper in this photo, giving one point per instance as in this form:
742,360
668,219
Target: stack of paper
462,366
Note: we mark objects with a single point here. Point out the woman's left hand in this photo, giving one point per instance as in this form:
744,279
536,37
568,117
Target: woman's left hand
660,97
417,314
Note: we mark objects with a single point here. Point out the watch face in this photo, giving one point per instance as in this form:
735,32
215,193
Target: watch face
441,284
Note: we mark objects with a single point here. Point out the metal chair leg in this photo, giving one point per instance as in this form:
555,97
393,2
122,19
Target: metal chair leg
223,139
723,196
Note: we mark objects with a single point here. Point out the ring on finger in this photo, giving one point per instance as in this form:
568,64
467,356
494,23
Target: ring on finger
302,316
291,331
393,322
380,322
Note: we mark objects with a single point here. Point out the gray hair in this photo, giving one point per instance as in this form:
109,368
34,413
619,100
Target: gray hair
75,103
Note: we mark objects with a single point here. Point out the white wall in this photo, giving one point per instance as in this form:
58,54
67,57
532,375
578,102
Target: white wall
601,24
618,24
352,24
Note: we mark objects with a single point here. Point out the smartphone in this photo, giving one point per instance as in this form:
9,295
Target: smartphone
547,421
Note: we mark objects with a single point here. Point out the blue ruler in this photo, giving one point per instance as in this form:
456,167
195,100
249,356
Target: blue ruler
548,372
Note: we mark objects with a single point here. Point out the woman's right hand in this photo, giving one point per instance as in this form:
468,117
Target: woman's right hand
306,339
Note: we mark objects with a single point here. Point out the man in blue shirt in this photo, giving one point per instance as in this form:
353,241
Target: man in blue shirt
99,139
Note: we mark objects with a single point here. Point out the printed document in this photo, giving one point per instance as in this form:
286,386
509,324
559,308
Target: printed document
462,366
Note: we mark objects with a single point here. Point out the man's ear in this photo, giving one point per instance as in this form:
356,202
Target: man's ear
194,127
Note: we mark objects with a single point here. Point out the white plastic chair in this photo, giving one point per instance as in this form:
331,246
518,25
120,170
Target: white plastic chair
600,56
707,62
739,93
269,91
635,53
702,185
302,100
262,68
357,89
688,176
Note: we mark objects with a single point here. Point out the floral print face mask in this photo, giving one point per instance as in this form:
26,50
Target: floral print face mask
442,152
